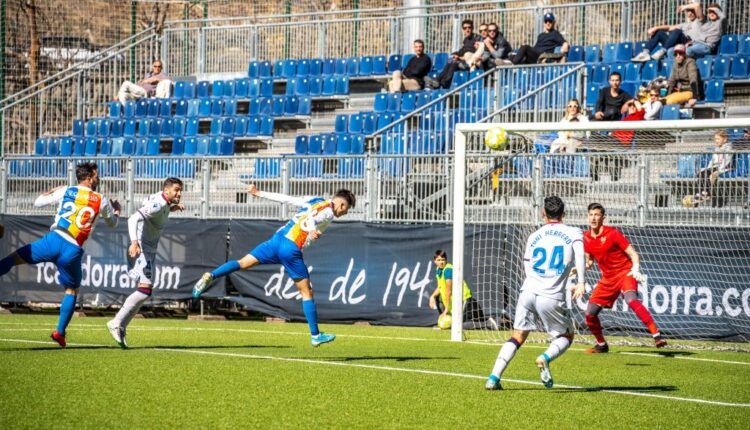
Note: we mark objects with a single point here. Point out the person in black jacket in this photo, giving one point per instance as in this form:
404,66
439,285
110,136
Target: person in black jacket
611,102
412,77
460,59
546,42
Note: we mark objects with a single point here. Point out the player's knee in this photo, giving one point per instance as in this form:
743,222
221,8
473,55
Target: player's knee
71,290
17,259
145,289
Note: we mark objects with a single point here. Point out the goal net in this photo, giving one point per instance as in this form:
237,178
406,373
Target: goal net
678,190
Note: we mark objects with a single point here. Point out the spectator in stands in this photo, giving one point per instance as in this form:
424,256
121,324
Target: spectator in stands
721,162
546,42
611,102
670,35
685,81
652,106
635,112
155,84
460,60
493,50
708,35
569,141
412,77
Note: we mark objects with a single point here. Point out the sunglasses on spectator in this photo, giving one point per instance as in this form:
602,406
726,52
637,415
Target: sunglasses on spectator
483,30
468,27
494,30
654,95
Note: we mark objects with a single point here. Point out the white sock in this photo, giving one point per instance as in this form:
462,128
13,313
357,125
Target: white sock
556,348
506,354
130,308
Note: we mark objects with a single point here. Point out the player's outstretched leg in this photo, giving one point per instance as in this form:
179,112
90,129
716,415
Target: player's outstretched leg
595,327
204,283
631,298
506,354
118,325
557,347
67,307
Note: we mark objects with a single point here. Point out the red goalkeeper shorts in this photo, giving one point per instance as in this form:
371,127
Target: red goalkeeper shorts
608,290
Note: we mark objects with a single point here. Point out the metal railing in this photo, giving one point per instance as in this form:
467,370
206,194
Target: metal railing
640,189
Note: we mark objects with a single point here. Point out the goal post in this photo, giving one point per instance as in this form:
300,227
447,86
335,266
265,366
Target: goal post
691,229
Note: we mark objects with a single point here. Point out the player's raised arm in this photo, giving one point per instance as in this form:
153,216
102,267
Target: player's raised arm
50,197
110,212
277,197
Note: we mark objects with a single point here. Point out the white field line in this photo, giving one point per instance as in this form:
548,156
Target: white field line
406,370
356,336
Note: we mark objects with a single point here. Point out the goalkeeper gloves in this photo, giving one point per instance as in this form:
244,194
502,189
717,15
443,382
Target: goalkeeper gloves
635,272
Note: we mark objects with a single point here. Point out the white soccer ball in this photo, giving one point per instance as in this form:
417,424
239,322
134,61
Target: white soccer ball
444,322
496,139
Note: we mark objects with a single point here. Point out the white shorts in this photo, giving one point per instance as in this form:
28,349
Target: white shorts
552,314
141,268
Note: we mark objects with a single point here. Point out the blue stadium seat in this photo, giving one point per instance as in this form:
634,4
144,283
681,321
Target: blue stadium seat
278,106
329,144
343,144
358,144
441,59
601,74
178,146
278,69
115,109
227,146
105,127
191,127
266,126
152,146
592,93
117,126
153,107
191,146
341,65
189,90
167,127
264,69
92,126
78,127
576,54
593,53
408,102
381,103
240,125
650,71
129,128
266,106
204,108
394,63
351,167
302,87
355,123
728,44
291,105
117,147
165,107
670,112
266,87
217,89
194,107
181,108
630,87
79,146
40,146
178,128
253,106
291,87
154,127
722,67
632,72
179,89
241,87
666,68
740,68
714,90
393,143
341,124
216,125
624,52
228,126
352,66
290,69
369,122
300,144
329,67
253,125
365,66
609,54
230,107
744,44
315,144
141,108
66,146
203,146
316,86
253,88
394,102
203,89
342,85
305,106
459,78
329,86
253,69
384,119
405,60
379,65
639,47
704,67
128,109
316,67
91,147
303,68
214,145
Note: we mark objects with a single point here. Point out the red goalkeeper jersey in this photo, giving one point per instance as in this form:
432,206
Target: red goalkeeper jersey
608,249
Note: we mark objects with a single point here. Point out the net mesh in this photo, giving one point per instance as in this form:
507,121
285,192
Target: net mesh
689,226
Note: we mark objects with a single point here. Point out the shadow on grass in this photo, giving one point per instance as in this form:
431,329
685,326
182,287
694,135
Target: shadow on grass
643,389
385,357
209,347
637,364
53,348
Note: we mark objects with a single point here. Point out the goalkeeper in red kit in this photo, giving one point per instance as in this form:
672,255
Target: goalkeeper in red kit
620,267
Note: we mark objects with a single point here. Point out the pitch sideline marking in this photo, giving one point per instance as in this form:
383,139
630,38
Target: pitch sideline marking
397,369
168,328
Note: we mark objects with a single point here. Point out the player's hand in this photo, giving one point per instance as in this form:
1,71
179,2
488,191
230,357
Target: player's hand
637,275
432,303
314,234
177,207
252,189
651,31
116,207
134,249
599,115
578,290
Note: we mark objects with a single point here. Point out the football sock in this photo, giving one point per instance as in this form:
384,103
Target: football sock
131,306
595,327
644,315
226,268
556,348
506,354
311,314
6,264
67,306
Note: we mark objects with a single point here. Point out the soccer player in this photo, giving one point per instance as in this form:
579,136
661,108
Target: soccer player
551,252
620,267
286,245
78,209
144,228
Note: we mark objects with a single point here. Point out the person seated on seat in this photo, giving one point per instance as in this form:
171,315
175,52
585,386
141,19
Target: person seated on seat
460,60
708,34
611,102
721,162
493,50
546,42
634,112
155,84
670,35
412,77
569,141
652,107
685,84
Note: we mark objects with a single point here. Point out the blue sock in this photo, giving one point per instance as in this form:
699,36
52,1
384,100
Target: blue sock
6,264
67,307
311,313
226,268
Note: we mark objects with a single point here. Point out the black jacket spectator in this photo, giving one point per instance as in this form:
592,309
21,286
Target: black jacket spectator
417,68
611,106
468,44
547,42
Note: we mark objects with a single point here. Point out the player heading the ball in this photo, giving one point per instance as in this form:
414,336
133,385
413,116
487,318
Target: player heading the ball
550,255
286,245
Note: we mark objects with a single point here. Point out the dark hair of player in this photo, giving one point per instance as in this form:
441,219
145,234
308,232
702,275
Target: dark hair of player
616,74
554,207
419,41
595,206
347,195
467,21
440,253
171,181
85,170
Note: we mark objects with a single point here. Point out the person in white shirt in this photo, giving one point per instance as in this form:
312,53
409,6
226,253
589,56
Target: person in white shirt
721,162
551,254
145,227
569,141
652,106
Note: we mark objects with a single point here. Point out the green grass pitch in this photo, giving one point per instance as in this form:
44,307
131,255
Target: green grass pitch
243,374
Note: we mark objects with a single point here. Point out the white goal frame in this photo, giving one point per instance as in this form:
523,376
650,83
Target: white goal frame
459,176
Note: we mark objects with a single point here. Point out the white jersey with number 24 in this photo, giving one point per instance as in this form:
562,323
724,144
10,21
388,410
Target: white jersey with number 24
550,255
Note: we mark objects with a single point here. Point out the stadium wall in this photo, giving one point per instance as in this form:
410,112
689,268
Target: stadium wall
383,273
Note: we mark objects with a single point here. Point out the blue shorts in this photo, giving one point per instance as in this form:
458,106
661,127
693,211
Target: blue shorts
54,249
280,250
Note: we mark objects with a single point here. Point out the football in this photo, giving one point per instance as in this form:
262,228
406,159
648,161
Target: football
496,139
444,322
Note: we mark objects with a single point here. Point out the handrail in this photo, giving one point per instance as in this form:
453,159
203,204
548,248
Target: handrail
73,67
77,72
535,91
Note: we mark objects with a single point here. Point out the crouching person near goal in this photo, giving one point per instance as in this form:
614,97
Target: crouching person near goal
551,252
620,267
473,315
